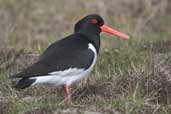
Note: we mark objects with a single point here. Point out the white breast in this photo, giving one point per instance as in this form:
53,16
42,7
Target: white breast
67,76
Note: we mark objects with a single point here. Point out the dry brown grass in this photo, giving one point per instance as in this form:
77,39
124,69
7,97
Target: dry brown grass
36,23
131,77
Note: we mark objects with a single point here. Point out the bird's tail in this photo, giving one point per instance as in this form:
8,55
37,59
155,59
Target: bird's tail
24,83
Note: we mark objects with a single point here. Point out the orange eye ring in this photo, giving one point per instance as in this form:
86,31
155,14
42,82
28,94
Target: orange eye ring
94,21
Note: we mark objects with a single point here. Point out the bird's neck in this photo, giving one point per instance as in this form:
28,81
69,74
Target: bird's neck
93,38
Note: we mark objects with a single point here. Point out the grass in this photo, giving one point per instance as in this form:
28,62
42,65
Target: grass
130,77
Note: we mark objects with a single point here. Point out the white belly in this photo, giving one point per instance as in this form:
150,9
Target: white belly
62,77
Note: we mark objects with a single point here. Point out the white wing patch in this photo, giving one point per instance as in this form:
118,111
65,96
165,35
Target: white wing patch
67,76
70,71
90,46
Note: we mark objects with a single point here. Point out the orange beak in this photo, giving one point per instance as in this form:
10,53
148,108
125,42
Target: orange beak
105,28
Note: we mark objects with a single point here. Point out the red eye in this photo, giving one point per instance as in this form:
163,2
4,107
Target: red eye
94,21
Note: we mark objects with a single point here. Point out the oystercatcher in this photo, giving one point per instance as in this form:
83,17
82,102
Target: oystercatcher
70,59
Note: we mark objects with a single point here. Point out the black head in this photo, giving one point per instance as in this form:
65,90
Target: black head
90,24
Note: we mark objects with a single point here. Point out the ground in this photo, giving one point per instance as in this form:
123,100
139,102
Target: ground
130,77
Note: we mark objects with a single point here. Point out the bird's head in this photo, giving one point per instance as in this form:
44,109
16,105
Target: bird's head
94,24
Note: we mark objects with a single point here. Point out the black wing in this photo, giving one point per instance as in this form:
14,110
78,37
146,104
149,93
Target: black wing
71,52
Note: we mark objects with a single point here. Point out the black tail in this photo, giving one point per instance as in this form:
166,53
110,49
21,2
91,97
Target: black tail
24,83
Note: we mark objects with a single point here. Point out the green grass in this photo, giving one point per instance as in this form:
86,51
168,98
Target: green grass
131,76
127,68
123,69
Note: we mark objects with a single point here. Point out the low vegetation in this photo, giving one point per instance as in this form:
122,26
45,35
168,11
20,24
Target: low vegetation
130,77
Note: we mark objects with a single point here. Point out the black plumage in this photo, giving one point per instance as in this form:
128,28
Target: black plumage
71,52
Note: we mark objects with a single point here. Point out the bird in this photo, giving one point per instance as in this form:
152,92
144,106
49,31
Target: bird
68,60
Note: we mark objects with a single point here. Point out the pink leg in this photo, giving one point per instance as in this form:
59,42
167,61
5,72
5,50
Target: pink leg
67,94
